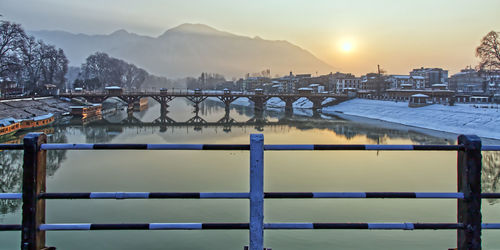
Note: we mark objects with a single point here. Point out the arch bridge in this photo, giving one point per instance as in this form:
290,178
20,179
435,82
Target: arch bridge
163,97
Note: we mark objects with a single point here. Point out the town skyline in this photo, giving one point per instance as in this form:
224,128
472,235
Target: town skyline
397,35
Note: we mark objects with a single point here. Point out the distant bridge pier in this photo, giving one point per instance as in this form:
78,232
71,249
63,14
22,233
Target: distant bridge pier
196,100
130,100
226,122
317,101
289,100
227,99
316,113
258,102
197,120
163,100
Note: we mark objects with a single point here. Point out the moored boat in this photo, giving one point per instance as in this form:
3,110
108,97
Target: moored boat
141,104
37,121
86,111
9,126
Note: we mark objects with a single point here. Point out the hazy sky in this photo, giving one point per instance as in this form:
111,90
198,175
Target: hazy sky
397,34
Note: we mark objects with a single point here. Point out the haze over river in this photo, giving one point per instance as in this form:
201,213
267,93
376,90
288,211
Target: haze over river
228,171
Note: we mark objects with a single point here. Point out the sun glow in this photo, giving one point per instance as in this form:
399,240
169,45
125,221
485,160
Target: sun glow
346,47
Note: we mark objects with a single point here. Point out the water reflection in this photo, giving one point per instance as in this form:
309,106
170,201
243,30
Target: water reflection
490,175
11,162
212,116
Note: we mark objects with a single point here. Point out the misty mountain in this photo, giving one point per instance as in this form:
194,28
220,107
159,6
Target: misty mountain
188,50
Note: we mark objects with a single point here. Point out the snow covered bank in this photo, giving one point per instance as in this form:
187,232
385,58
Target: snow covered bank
459,119
275,102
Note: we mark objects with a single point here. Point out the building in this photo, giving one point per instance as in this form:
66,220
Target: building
467,81
435,96
9,88
333,79
345,85
252,83
431,75
227,85
374,85
418,100
406,82
492,82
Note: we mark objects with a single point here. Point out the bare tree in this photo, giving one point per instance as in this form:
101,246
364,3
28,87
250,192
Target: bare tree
12,37
31,62
489,52
100,70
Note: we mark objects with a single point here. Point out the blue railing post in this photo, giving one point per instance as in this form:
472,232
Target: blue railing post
256,191
33,184
469,183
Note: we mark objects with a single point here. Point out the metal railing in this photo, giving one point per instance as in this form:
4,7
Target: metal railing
468,196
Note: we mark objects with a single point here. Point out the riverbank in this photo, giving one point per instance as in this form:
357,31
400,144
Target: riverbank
482,119
28,107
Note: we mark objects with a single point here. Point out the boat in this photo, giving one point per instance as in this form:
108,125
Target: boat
141,104
8,127
37,121
86,111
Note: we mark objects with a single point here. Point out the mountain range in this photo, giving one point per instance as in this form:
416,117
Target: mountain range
189,50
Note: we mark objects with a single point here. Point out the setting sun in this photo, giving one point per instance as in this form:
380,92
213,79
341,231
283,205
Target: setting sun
346,46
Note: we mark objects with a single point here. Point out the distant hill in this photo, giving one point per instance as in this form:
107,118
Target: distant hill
188,50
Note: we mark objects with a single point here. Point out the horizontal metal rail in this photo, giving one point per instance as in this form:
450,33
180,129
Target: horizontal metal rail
10,227
11,147
244,226
363,147
270,147
490,148
145,146
237,226
267,195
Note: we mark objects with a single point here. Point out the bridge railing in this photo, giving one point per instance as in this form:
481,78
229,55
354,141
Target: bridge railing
34,195
192,92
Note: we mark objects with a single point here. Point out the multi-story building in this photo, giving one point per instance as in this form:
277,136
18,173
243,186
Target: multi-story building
492,82
432,76
345,85
252,83
467,81
374,85
406,82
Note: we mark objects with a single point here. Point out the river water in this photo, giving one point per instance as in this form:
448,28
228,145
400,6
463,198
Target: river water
209,171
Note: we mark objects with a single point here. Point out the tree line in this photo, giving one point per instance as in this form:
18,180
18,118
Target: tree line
31,63
101,70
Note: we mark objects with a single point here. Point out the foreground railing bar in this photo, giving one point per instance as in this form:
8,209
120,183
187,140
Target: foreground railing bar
388,195
239,226
144,195
267,195
11,196
490,196
55,146
11,146
276,147
363,147
10,227
233,226
490,148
